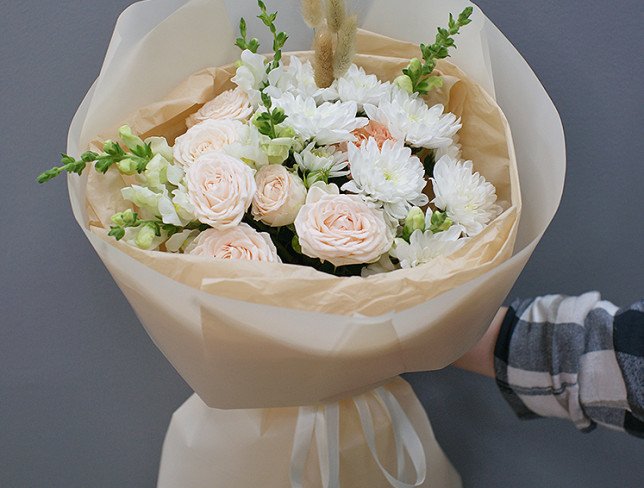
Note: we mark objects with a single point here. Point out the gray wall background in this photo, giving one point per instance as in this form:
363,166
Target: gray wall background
85,397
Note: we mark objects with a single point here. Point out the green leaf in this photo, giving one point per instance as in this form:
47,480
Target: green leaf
267,101
278,116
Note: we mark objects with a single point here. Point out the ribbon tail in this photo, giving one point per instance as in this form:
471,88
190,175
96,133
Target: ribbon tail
327,435
404,433
302,441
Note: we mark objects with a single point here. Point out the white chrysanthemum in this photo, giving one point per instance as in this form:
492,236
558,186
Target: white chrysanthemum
251,74
425,246
467,198
454,150
297,78
409,118
330,123
325,160
390,176
357,86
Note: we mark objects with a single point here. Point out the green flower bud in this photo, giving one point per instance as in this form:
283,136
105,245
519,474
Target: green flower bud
145,237
288,132
415,221
439,222
111,147
415,65
125,219
277,150
314,177
404,83
130,140
127,166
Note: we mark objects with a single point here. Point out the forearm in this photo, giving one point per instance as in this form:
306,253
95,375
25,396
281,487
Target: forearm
579,358
480,359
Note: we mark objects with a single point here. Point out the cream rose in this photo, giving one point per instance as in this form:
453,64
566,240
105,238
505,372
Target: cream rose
280,195
231,104
342,229
221,189
205,137
238,243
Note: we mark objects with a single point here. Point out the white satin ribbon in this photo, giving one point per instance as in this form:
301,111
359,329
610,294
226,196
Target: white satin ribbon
324,422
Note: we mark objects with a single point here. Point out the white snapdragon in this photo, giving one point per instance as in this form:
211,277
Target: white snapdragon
182,204
159,171
390,176
146,200
143,237
181,240
465,196
426,246
153,204
248,147
251,75
160,146
330,123
410,119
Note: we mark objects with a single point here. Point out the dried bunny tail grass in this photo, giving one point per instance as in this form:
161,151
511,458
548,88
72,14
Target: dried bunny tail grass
336,14
346,46
323,46
313,12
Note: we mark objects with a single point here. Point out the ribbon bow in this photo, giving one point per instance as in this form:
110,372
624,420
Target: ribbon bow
324,422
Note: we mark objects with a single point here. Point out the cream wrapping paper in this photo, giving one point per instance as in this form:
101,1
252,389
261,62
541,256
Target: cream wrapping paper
198,436
238,351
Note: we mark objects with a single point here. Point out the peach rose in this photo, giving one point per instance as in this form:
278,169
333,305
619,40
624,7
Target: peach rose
208,136
221,189
373,129
237,243
342,229
231,104
280,195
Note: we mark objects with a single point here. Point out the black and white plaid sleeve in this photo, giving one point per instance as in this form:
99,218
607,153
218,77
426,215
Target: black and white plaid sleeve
578,358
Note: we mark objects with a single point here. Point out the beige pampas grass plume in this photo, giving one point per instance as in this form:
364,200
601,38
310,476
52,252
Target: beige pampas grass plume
313,12
336,13
345,50
323,46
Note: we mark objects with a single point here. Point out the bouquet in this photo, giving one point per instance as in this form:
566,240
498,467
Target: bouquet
316,164
296,229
